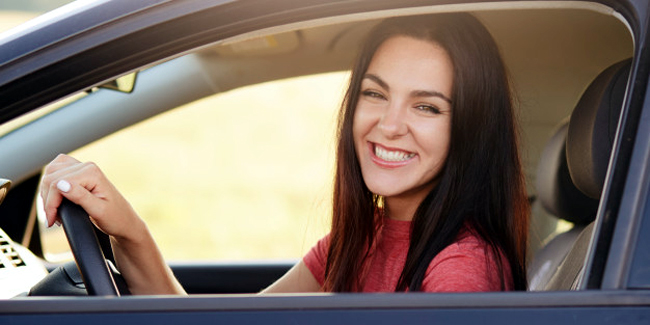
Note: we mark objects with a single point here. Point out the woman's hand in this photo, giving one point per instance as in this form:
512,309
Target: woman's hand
135,250
86,185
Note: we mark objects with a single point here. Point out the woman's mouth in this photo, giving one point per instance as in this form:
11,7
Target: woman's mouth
391,155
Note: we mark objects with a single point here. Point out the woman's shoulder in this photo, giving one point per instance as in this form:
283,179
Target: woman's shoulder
466,265
467,239
467,246
315,260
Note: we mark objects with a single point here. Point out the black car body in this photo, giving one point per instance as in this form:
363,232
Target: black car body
91,44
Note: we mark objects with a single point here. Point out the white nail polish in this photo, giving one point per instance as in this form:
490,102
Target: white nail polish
63,186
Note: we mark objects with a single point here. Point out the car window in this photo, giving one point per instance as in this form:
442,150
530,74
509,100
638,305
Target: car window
241,175
246,174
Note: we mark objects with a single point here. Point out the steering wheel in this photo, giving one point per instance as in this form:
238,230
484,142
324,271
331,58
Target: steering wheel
86,249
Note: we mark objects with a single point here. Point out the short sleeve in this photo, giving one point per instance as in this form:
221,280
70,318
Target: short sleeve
466,266
316,259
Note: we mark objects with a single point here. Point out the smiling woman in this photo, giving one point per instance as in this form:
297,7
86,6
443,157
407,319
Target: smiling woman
406,90
459,188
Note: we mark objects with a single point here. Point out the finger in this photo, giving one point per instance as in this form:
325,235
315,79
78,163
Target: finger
61,161
52,172
78,194
75,193
51,204
63,158
56,180
48,189
83,184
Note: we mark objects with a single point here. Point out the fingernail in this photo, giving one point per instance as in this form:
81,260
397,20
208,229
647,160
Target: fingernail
63,186
58,223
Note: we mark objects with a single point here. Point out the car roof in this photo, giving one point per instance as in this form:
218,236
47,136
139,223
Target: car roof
49,45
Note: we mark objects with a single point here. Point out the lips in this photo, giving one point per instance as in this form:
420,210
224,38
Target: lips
390,157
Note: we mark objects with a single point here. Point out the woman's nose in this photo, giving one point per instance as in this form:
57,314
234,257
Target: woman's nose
393,121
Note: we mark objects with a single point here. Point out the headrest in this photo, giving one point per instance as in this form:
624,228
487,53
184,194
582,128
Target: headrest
555,190
592,128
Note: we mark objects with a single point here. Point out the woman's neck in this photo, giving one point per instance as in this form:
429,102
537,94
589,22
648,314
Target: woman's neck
404,205
398,208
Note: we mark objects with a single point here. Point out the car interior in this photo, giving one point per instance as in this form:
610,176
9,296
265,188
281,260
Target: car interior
569,68
572,174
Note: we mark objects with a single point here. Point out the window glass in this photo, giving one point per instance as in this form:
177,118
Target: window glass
244,174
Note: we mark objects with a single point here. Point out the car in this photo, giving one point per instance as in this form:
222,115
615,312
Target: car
90,69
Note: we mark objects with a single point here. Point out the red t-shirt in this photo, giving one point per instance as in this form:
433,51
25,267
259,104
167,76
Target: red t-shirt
467,265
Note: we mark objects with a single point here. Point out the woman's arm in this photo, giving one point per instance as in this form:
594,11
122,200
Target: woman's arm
143,266
135,250
297,279
136,253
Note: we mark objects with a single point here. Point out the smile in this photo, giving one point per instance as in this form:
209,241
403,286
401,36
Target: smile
392,155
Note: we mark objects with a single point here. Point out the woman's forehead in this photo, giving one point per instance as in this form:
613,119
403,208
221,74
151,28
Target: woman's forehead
407,63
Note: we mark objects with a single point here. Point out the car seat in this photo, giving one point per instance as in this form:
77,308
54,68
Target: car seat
563,200
590,138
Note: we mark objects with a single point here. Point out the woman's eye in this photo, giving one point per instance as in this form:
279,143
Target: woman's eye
372,94
428,109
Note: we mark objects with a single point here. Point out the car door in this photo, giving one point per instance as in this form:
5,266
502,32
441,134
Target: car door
614,270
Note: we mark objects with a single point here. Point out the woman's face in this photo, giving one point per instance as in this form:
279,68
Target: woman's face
402,121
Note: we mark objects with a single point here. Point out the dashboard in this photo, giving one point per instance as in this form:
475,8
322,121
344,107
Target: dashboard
20,269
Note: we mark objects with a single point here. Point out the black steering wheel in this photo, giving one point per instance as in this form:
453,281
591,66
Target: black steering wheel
87,251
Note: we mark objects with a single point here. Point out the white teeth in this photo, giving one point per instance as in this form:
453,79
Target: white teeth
392,155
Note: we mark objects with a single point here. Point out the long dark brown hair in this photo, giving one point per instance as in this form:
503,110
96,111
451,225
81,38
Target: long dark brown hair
481,183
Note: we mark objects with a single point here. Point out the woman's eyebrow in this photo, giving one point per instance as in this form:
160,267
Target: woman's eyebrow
415,93
430,93
377,80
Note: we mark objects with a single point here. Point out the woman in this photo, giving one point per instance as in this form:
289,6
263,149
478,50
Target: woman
429,193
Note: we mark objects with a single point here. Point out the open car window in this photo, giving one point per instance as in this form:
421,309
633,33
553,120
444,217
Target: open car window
246,173
241,175
225,148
